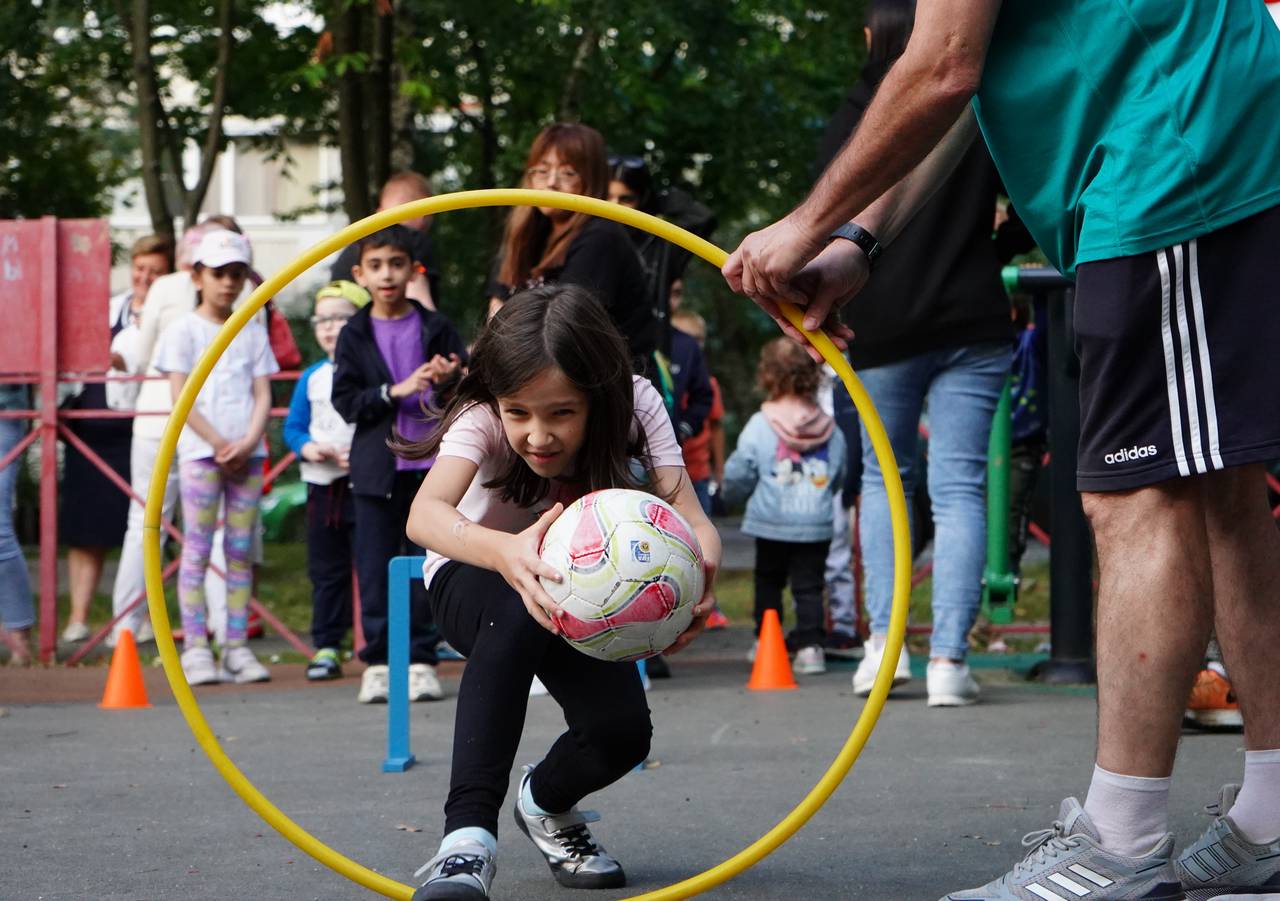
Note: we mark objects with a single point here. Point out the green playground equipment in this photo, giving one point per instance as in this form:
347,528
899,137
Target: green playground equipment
999,581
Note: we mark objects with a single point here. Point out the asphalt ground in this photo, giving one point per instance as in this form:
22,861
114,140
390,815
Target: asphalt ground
123,805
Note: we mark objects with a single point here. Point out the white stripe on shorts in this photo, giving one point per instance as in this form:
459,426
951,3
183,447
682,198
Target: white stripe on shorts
1170,368
1188,370
1206,372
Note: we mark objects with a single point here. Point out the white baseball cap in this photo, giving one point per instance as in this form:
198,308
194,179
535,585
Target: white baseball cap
222,247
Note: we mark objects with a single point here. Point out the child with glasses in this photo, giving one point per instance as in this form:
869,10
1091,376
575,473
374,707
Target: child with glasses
321,438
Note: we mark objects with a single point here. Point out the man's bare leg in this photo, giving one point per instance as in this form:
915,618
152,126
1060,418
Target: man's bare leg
1155,609
1244,546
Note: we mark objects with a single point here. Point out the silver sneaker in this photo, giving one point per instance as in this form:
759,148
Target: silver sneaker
1067,862
424,685
198,666
564,840
463,872
239,665
1224,863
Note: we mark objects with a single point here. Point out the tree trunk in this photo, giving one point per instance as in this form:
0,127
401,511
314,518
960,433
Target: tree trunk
351,136
378,84
194,199
570,101
150,114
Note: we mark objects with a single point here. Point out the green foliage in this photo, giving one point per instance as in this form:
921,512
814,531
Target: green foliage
57,156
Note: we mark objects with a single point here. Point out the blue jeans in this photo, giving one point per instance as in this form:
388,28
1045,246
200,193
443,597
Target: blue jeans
16,609
960,387
702,490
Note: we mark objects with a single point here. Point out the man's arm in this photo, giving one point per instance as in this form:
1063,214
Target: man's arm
917,104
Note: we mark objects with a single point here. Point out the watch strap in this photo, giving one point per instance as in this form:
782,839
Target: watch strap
858,235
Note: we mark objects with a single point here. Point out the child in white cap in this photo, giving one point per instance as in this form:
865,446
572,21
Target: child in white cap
220,454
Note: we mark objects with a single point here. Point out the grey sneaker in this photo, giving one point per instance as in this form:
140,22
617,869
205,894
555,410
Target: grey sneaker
1224,863
1066,863
564,840
240,666
464,872
198,666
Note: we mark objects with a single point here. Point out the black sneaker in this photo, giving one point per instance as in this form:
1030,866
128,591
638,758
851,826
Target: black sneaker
324,665
568,847
843,646
462,873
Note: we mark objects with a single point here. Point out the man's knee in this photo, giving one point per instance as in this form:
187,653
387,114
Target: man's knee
1140,511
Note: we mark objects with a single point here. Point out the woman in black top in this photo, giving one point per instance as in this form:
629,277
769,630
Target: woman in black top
544,245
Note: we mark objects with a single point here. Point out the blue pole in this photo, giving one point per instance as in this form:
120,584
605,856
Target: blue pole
400,573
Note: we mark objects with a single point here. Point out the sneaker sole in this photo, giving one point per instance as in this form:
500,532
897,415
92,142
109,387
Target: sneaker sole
442,892
237,679
951,701
865,690
1214,719
212,680
564,877
376,699
810,670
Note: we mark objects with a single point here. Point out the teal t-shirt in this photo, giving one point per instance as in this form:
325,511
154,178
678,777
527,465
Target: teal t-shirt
1123,126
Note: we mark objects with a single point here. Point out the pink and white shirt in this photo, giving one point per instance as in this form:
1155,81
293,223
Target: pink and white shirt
477,435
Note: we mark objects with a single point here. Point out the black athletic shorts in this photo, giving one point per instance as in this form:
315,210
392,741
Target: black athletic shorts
1180,358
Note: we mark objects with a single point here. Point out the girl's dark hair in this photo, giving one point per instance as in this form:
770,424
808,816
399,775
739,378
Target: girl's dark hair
528,249
785,369
890,22
566,327
634,172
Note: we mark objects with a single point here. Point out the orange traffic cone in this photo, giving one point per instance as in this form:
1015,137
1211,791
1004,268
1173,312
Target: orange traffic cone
124,680
772,669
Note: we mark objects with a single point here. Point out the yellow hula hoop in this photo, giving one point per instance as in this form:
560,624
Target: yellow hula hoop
256,800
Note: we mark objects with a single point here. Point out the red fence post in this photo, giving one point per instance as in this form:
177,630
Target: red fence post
48,438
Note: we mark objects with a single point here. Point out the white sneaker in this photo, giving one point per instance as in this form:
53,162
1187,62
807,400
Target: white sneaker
864,677
373,685
198,666
751,654
239,665
810,661
75,632
951,684
423,684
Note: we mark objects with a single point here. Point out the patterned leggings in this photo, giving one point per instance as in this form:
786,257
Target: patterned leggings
204,486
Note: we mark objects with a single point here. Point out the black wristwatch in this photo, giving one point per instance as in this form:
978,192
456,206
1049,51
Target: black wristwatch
863,238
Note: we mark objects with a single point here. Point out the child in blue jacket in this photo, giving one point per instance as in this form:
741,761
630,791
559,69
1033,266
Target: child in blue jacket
791,459
321,438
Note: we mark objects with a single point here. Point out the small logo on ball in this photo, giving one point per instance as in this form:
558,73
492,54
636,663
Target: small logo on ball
640,551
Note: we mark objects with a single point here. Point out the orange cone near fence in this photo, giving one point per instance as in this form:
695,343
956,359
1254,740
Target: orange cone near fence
772,669
124,680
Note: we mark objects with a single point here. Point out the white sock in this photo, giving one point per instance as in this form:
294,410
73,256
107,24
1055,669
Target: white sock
527,802
1131,813
1256,812
473,833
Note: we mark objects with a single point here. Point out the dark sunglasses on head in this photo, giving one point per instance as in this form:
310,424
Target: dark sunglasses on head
627,162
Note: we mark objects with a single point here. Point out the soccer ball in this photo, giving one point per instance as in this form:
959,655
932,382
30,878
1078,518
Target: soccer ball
632,572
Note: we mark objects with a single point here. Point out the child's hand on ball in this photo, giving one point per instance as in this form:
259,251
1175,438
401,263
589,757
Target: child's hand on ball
701,610
521,566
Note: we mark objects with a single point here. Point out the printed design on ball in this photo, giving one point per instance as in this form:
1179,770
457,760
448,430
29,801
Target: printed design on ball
632,573
589,543
668,522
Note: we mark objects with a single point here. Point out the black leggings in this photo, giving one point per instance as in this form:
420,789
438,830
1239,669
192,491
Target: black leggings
604,704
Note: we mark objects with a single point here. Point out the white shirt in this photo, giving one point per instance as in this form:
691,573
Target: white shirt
169,298
477,435
226,400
